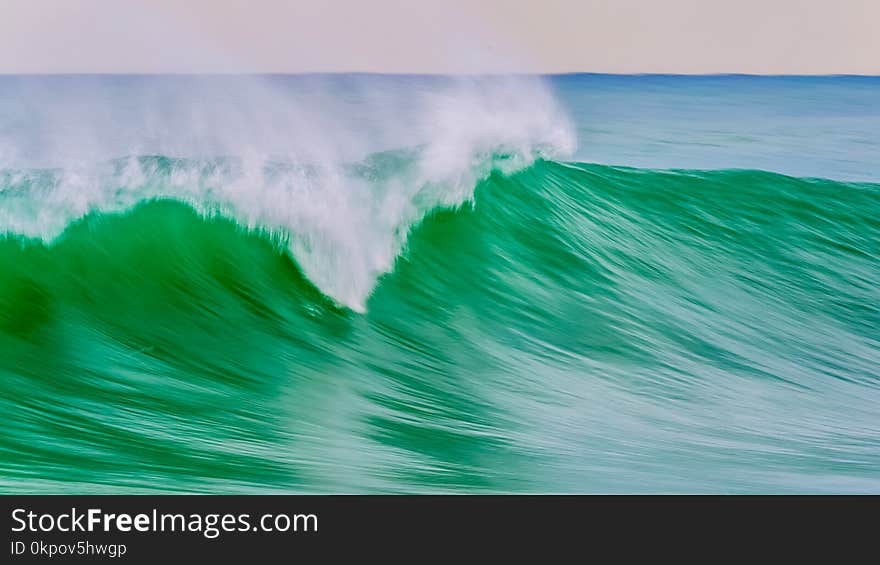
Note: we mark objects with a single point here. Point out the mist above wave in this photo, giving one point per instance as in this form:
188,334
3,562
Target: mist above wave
340,168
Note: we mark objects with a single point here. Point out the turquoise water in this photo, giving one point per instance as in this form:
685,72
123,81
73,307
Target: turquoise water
414,284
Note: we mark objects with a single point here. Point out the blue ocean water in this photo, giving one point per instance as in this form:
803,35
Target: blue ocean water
822,126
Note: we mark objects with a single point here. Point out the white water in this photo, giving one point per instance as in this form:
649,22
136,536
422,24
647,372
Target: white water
289,144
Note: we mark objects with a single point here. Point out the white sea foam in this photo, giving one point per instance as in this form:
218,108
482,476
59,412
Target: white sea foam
302,158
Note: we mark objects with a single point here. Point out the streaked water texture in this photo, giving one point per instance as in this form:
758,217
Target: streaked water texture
434,284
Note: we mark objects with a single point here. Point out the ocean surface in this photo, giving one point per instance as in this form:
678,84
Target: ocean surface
409,284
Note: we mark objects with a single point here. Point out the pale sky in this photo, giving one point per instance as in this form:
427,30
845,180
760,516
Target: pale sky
441,36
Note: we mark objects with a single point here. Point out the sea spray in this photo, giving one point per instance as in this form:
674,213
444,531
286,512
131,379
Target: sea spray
342,185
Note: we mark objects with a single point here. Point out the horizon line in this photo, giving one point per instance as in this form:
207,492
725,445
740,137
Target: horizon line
438,74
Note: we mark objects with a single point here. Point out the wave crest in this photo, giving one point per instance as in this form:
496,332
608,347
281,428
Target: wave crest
341,184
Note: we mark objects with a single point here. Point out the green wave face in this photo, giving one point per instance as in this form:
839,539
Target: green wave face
573,327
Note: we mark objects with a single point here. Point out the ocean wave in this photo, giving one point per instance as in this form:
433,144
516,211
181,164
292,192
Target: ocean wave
581,296
404,284
345,221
